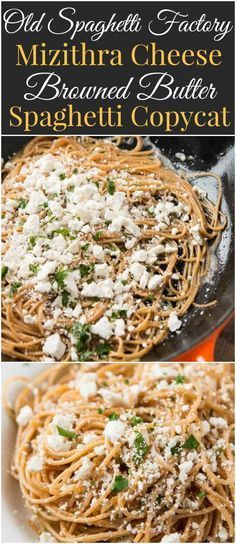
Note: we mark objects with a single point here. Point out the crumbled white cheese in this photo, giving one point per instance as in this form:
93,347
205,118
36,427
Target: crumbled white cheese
25,415
74,355
201,477
102,289
144,279
174,323
137,270
48,163
47,269
178,429
131,395
218,422
35,463
102,270
184,469
43,287
85,470
139,256
62,420
30,319
200,192
100,450
77,310
119,327
114,430
89,437
48,324
58,443
155,281
173,537
181,156
103,328
120,221
130,243
195,231
161,370
86,384
55,208
205,427
54,346
70,284
46,537
223,534
98,252
171,444
169,248
111,397
31,225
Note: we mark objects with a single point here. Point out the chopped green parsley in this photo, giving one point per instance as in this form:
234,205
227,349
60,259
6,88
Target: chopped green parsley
85,270
102,350
140,448
82,334
14,287
201,494
34,268
98,235
111,187
60,277
118,313
113,417
135,420
191,443
22,203
65,298
119,484
179,379
4,271
66,432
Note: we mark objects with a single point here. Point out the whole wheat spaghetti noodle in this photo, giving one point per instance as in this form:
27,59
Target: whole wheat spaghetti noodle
104,249
127,452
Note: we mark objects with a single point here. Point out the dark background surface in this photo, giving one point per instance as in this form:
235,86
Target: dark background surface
225,350
223,76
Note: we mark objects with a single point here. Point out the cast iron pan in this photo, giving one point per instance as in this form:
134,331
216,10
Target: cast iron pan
214,154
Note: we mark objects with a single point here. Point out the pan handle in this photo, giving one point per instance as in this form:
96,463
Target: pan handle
205,351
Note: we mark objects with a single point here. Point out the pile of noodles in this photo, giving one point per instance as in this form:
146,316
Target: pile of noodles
155,503
140,170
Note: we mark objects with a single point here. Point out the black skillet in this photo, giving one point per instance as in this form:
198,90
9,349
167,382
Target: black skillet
204,153
214,154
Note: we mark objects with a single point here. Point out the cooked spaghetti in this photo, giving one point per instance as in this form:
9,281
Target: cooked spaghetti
127,452
105,250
